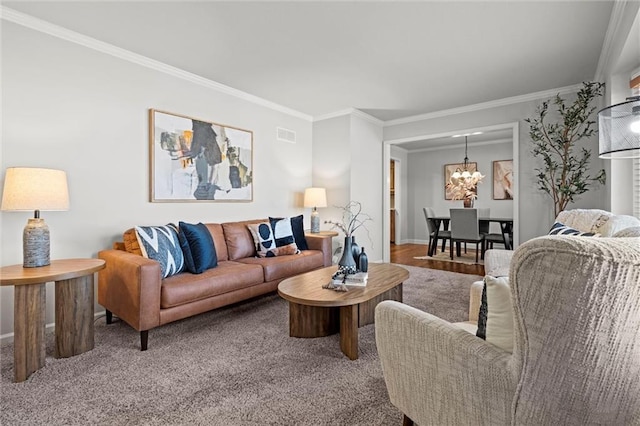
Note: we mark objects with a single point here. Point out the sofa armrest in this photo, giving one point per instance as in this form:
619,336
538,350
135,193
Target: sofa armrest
475,300
129,286
437,373
322,243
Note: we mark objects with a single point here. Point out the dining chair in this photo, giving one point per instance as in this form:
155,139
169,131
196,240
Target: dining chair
429,213
465,229
484,226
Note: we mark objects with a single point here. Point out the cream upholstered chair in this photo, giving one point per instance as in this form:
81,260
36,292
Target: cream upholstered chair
576,351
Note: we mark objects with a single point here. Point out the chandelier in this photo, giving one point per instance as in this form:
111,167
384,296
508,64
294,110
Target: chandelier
463,181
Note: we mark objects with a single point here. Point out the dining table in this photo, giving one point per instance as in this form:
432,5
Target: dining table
506,228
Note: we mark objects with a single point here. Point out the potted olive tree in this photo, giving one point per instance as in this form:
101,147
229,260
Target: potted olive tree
564,172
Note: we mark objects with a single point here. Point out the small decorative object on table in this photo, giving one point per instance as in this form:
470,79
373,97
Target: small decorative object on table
363,261
352,219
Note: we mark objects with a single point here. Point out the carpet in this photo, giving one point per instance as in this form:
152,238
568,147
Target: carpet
233,366
469,257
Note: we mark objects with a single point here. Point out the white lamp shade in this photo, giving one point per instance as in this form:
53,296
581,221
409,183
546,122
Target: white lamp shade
619,130
315,197
28,189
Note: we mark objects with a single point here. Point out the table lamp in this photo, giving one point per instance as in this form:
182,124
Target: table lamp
315,197
34,189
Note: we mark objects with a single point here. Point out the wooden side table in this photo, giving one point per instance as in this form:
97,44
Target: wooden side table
323,233
73,310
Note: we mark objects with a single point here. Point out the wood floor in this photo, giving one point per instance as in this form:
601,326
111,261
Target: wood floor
404,254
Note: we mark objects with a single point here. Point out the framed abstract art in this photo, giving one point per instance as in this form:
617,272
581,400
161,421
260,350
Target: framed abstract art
502,180
193,160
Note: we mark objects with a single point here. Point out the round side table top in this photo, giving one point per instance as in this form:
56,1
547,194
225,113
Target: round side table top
63,269
323,233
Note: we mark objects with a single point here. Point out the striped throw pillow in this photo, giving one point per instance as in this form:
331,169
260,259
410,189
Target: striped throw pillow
562,229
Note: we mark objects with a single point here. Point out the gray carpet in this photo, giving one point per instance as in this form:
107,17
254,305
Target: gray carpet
231,366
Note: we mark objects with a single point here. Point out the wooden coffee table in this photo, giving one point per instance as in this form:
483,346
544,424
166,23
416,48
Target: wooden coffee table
317,312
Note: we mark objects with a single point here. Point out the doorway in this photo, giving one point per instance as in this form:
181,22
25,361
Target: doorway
394,201
406,214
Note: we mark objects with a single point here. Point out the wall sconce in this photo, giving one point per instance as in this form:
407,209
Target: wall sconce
315,197
34,189
619,130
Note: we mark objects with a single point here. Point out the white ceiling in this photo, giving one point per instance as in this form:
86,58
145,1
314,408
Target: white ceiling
388,59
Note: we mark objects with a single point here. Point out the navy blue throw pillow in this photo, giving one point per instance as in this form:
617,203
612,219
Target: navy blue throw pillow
198,248
297,227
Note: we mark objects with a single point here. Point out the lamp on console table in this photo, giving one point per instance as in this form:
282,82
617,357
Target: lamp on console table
27,189
315,197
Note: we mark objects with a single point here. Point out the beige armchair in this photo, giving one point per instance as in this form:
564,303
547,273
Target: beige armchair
576,354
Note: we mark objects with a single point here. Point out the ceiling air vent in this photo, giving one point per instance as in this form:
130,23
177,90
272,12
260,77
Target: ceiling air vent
285,135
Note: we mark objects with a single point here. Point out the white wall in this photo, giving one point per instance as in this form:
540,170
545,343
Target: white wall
347,160
68,107
366,182
426,184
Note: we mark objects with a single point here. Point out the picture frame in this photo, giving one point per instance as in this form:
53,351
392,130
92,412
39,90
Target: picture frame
502,180
193,160
449,169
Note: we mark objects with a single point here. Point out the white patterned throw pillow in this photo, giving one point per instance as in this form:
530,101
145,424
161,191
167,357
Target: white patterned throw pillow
265,243
161,244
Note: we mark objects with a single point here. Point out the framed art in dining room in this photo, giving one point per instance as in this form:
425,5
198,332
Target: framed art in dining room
193,160
449,169
502,180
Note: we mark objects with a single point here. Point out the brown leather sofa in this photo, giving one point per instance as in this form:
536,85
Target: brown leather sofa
131,287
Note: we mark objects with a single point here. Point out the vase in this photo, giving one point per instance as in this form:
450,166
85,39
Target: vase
468,203
355,249
347,261
363,261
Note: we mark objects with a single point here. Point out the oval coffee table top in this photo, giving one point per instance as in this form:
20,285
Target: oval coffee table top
306,289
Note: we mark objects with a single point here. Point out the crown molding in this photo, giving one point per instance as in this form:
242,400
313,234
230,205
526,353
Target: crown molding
458,145
616,19
350,111
45,27
486,105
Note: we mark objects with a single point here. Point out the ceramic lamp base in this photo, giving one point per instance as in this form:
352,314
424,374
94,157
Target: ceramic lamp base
35,244
315,222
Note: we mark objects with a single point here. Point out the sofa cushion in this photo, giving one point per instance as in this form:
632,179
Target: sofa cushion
277,268
228,276
215,229
130,240
297,226
631,232
239,240
161,244
562,229
197,247
283,233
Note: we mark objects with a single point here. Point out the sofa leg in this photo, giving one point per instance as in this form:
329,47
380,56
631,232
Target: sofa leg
144,340
109,317
406,421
